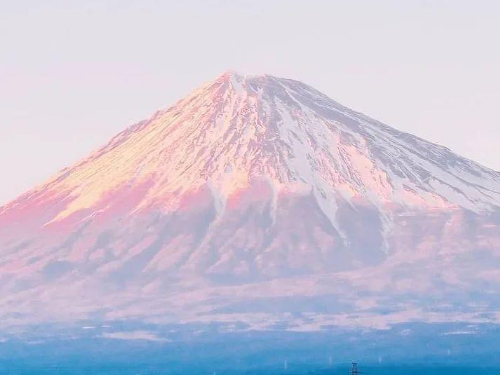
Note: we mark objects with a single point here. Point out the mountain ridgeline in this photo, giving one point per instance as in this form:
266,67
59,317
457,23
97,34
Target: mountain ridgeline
257,201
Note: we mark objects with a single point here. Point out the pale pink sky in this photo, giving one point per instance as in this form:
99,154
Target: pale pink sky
73,74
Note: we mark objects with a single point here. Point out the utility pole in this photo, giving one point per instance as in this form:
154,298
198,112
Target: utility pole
354,369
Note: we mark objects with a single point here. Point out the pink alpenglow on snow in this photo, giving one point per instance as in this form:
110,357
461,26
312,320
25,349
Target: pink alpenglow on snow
254,188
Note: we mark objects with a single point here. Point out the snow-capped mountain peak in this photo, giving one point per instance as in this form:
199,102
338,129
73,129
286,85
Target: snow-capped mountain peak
239,128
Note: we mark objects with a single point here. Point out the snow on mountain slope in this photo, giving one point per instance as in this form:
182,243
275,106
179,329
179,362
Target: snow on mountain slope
247,181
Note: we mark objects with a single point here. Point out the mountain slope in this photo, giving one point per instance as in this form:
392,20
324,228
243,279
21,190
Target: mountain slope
248,186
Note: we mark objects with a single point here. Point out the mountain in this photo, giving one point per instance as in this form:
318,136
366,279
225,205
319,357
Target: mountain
256,201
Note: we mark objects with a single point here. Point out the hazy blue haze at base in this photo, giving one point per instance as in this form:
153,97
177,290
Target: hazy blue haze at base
160,370
411,349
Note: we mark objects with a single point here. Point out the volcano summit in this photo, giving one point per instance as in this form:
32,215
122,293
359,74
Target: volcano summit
259,201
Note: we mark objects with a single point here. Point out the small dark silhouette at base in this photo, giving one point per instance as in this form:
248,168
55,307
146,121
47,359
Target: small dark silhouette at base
354,369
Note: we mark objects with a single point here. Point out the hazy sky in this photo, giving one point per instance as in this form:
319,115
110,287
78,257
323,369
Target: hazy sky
74,73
